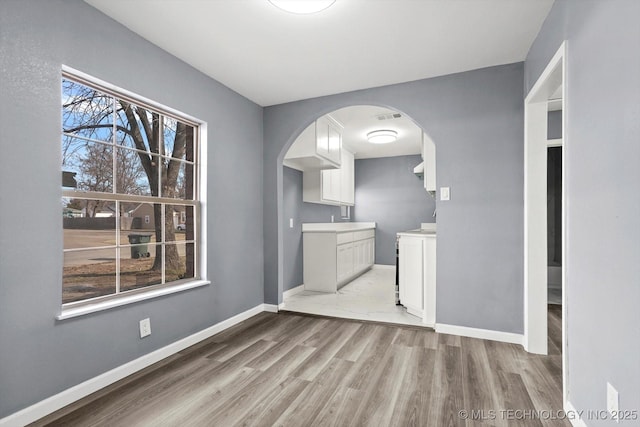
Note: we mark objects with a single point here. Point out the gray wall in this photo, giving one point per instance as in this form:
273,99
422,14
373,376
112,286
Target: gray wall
602,152
40,356
476,121
554,125
294,207
388,192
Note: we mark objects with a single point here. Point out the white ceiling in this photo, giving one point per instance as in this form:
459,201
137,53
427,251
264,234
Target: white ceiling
362,119
272,57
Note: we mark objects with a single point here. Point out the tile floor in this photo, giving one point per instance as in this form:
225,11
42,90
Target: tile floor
368,297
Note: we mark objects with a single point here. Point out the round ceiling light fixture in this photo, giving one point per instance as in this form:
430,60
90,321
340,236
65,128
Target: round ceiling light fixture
383,136
302,6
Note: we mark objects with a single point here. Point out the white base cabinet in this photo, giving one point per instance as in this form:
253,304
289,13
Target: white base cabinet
417,274
333,259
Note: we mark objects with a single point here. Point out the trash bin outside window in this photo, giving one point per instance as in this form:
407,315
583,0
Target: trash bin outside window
140,247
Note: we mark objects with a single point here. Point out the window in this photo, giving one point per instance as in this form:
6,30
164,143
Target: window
130,205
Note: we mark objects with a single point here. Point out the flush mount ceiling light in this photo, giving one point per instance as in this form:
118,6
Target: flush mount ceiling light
383,136
302,6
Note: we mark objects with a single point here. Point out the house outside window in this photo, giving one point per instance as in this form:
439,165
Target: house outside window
128,165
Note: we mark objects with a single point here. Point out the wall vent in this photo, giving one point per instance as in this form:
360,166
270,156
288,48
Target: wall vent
388,116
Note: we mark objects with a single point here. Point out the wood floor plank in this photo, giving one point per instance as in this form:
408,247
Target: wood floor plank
372,356
311,402
412,406
478,387
446,392
292,370
515,396
329,346
382,393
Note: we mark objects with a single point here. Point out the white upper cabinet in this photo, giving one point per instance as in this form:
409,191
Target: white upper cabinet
331,187
429,156
317,147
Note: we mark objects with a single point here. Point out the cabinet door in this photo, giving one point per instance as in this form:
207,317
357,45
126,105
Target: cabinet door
322,138
411,272
328,140
347,190
429,155
335,143
371,252
331,185
344,263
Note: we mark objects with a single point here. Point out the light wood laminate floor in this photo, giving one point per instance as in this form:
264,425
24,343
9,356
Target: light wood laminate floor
297,370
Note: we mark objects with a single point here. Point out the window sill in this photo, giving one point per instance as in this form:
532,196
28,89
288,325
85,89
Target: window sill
71,312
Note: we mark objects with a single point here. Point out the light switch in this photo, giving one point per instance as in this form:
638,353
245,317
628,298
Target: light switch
290,222
444,193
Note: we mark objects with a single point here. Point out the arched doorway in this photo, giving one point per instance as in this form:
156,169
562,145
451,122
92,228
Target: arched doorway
386,192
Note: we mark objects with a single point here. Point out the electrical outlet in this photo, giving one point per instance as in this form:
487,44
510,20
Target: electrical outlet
145,327
613,402
290,222
332,218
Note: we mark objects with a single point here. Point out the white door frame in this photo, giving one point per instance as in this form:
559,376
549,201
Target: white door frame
535,209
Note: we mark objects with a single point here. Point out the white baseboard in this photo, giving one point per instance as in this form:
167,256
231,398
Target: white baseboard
573,415
75,393
485,334
271,308
292,291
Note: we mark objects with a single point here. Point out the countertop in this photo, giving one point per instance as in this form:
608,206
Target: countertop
336,227
418,232
426,229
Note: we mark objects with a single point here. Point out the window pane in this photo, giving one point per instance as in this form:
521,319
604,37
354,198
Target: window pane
138,127
137,269
178,139
88,223
131,172
179,261
86,112
177,180
138,219
88,274
87,166
180,223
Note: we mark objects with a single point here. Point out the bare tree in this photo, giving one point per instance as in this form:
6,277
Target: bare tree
148,145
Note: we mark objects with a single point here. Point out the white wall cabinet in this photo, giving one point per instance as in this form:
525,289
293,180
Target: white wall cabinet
418,275
318,146
333,259
331,187
429,157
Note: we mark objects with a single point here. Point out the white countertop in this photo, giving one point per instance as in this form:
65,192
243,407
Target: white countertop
426,229
418,232
336,227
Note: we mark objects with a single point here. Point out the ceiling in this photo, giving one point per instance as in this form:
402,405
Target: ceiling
362,119
272,57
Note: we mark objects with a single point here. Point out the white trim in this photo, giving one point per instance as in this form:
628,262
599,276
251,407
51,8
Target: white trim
554,142
292,291
535,205
485,334
573,415
77,392
535,217
84,309
271,308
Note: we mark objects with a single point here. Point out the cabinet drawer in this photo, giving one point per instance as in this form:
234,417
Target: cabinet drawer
344,238
363,234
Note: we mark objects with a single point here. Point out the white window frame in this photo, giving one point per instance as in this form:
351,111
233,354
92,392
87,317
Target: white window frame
83,307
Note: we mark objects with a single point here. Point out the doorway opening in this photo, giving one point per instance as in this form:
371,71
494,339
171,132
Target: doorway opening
545,213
